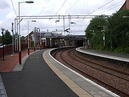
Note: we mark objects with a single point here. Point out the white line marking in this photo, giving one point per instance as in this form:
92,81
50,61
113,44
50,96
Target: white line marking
5,94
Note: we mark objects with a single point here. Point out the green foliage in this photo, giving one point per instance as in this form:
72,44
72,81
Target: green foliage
95,32
114,28
119,28
32,44
7,37
22,39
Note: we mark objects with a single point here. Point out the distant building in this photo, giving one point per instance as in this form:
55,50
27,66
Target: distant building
43,39
74,40
53,39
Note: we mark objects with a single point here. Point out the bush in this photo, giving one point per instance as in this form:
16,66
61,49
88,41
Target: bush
122,50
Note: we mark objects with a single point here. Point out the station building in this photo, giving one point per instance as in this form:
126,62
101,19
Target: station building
53,39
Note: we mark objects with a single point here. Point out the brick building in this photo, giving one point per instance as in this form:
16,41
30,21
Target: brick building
125,5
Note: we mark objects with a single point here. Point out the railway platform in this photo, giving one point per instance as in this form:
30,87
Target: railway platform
44,76
104,54
86,86
35,80
11,64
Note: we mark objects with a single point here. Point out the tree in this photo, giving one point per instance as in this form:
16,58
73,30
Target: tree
115,28
119,28
96,31
7,37
23,39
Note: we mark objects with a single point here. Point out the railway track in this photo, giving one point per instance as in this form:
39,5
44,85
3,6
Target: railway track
101,67
110,77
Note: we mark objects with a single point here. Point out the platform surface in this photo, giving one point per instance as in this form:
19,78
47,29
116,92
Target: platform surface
9,64
104,54
35,80
90,88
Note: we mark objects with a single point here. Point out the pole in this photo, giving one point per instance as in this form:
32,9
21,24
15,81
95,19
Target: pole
28,40
12,39
19,33
104,36
64,24
3,47
69,24
40,38
19,28
3,42
15,35
35,38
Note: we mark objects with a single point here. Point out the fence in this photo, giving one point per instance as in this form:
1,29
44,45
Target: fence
8,49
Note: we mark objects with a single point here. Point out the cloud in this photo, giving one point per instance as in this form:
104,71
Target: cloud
10,15
51,7
1,22
4,4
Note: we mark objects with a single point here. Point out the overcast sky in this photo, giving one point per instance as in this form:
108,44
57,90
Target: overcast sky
8,11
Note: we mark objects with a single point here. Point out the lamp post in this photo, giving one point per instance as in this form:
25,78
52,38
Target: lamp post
28,40
72,23
16,34
103,31
39,38
3,41
12,38
29,36
103,34
29,2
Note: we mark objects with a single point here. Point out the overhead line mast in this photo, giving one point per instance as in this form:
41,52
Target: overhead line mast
13,7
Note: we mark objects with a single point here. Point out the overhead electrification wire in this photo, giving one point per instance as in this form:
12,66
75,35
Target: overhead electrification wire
113,7
101,7
13,7
107,3
72,5
62,5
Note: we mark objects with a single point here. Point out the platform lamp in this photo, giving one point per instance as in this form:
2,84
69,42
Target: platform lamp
2,29
29,36
29,2
12,39
40,37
